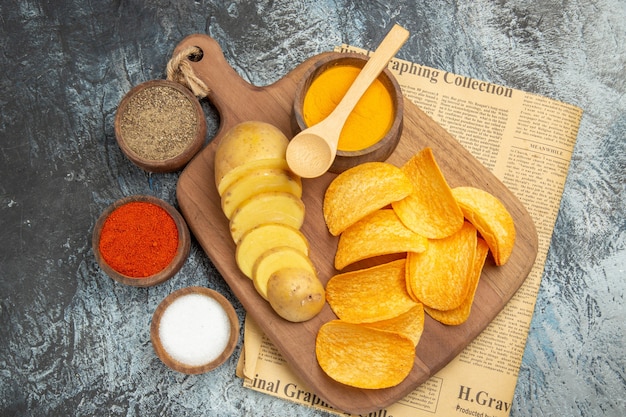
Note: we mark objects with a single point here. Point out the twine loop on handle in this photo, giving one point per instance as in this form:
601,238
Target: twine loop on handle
179,70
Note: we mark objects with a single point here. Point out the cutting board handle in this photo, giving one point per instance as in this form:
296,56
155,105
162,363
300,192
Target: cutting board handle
235,99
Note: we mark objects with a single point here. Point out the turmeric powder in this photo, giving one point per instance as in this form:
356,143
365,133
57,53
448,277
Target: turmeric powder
370,120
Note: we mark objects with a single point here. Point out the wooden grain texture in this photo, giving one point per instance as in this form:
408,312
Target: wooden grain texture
237,101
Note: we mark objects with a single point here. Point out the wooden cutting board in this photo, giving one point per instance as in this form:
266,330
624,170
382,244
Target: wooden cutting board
237,101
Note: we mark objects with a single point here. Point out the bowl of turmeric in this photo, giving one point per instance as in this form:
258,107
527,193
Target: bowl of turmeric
141,241
373,129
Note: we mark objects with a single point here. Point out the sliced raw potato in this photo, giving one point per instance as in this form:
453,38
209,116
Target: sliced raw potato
295,294
439,277
430,210
274,260
246,142
371,294
266,236
379,233
247,169
460,314
361,190
259,181
491,218
363,357
270,207
409,324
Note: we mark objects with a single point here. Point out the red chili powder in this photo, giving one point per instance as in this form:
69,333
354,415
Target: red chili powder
138,239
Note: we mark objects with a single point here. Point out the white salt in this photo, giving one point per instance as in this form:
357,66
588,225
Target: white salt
194,329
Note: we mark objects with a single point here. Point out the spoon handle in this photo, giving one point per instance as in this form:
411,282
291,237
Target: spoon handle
392,42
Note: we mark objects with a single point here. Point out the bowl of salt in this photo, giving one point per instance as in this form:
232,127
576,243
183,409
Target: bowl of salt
194,330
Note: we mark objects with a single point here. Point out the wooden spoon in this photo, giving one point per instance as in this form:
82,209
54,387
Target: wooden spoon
311,152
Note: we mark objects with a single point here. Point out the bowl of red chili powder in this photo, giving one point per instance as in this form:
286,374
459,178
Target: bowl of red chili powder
141,241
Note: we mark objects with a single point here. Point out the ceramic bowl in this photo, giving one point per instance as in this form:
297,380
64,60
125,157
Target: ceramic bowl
379,151
182,367
173,162
182,251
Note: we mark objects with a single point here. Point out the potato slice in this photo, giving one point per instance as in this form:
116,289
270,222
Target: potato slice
247,169
267,236
409,324
460,314
363,357
439,276
430,210
361,190
371,294
380,233
246,142
295,294
491,218
259,181
276,259
270,207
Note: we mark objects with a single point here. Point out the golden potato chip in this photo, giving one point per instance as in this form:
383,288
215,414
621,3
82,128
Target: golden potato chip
460,314
490,217
361,190
430,209
362,357
380,233
439,276
409,324
371,294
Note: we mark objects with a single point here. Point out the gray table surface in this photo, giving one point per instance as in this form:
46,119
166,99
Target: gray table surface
74,342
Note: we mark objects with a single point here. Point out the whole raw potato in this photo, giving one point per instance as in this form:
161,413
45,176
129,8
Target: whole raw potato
246,142
295,294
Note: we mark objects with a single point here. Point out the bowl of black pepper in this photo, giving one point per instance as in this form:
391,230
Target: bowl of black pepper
160,125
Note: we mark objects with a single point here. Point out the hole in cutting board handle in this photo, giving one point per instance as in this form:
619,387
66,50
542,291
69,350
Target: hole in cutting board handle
196,56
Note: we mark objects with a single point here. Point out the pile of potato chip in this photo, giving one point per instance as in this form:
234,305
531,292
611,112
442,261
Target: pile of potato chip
440,238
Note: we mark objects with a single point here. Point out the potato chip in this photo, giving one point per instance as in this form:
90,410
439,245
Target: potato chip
460,314
491,218
439,276
363,357
379,233
430,209
371,294
409,324
361,190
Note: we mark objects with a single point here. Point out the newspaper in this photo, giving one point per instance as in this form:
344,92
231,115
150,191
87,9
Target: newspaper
527,141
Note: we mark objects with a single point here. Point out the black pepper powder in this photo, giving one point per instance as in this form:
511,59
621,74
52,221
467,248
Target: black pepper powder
158,123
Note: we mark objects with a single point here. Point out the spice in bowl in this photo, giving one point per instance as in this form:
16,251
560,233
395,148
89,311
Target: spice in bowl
373,128
138,239
141,241
160,125
370,120
194,330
